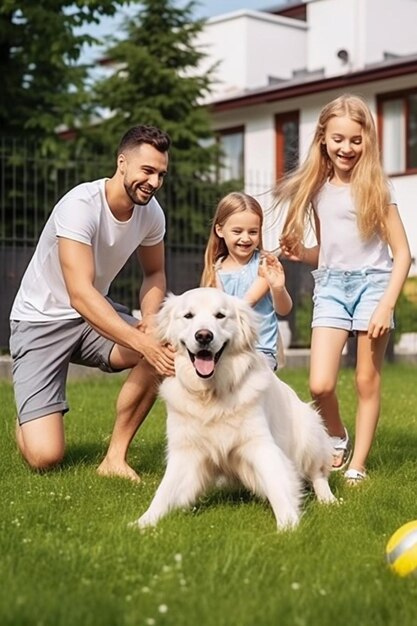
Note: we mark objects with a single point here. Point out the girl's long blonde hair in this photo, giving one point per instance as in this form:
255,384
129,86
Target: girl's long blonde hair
369,184
235,202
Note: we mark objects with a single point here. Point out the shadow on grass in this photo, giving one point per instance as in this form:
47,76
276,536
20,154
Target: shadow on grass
87,454
230,496
143,458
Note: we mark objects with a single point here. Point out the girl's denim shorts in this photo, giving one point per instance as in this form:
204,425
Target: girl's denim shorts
347,299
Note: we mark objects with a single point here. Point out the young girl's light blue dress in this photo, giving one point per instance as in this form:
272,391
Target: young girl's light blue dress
238,283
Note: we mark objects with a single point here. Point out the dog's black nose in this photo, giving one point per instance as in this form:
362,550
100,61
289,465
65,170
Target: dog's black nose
204,336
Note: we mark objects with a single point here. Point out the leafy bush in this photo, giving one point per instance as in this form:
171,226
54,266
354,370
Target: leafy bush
303,315
406,309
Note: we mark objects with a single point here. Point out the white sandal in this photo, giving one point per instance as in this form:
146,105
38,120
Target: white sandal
342,450
354,476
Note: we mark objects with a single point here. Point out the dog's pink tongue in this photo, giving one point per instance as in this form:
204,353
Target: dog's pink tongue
204,364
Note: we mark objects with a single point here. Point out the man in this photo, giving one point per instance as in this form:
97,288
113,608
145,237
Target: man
61,313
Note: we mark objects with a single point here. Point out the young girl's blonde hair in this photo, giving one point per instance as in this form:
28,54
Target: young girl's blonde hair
368,182
235,202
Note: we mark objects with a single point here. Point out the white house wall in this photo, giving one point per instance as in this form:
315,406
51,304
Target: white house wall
405,188
391,26
333,26
249,47
277,47
365,29
226,45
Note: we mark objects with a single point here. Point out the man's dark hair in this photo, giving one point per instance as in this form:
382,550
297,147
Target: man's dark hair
144,134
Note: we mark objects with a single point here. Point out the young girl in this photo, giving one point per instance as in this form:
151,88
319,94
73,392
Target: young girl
233,263
341,185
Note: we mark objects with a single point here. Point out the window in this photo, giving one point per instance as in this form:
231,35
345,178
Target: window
397,125
231,166
286,142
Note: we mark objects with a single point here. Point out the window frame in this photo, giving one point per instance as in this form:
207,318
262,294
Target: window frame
381,99
280,120
224,132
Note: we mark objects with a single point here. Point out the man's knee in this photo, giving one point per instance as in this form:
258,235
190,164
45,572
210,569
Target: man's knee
43,459
147,376
41,456
41,442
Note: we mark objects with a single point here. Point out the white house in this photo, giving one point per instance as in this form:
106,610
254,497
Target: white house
278,67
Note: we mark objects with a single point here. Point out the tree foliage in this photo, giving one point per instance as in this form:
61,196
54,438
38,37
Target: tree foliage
43,83
155,80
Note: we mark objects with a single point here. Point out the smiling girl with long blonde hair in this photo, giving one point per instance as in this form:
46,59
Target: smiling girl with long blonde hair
342,190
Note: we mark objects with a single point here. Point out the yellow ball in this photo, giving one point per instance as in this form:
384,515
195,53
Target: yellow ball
401,551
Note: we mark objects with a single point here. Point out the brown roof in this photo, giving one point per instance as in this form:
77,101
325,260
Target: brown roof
305,85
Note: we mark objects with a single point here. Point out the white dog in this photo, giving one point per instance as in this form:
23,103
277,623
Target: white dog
229,416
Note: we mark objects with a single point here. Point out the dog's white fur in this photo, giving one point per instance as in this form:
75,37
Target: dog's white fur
238,421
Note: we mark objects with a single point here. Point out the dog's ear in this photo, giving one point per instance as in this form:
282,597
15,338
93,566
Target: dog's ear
165,317
248,323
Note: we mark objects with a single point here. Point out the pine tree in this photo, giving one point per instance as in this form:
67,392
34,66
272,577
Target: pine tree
156,81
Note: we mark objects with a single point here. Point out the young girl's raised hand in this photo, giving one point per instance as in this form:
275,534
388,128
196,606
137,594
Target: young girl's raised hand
271,269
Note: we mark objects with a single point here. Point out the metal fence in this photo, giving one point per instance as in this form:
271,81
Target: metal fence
30,185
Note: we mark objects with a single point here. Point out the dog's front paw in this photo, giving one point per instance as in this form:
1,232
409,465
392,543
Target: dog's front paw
287,522
329,499
134,524
146,521
142,522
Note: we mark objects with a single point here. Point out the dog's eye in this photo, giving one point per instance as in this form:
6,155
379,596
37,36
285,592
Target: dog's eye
189,316
220,316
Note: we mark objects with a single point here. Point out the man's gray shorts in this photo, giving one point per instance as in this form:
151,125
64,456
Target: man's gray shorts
42,352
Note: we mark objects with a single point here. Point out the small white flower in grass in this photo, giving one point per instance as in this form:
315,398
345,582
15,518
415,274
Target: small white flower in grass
166,568
162,608
295,586
183,582
145,590
67,497
178,558
150,621
322,592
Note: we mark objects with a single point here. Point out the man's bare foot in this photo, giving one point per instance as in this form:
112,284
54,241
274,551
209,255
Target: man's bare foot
121,469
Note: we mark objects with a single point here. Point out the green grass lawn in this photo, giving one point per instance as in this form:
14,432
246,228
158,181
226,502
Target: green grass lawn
67,556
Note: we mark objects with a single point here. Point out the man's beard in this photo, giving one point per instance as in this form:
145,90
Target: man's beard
132,192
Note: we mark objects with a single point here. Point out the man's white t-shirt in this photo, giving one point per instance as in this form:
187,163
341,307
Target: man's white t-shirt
83,215
341,245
